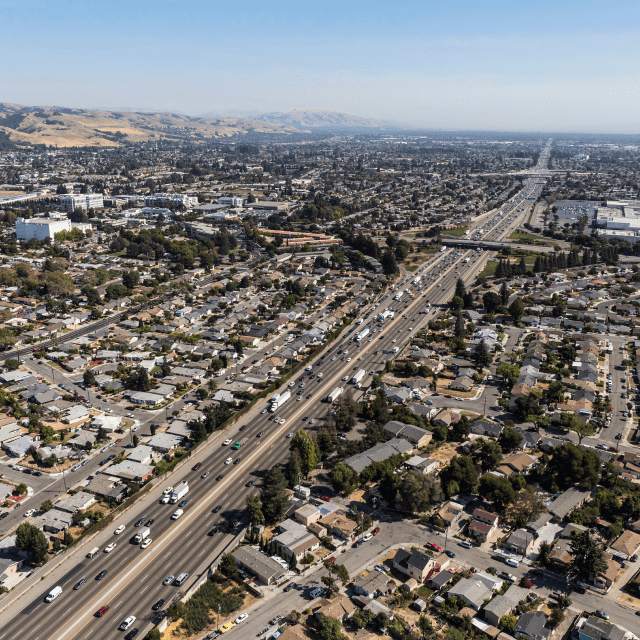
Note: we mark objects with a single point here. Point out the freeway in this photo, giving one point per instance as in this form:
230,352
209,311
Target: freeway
134,576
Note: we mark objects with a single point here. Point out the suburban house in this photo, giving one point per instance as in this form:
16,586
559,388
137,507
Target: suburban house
520,542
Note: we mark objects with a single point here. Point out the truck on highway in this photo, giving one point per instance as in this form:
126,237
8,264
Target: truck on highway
278,400
398,295
363,334
240,443
143,534
334,394
442,249
358,377
179,492
385,314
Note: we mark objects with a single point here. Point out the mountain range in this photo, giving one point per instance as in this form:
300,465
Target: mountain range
67,127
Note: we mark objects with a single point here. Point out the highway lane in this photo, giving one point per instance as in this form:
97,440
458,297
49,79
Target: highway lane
82,605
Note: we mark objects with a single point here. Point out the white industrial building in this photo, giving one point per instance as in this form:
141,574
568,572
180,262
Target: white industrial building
231,201
175,198
82,201
40,228
619,220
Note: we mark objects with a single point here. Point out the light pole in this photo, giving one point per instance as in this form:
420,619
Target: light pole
219,606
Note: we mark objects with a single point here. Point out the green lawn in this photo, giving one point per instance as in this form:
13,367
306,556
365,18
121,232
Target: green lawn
489,270
458,231
528,238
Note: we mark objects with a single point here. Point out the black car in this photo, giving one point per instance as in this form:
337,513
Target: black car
260,434
4,515
139,523
79,584
217,509
220,477
291,585
27,470
158,605
131,635
237,461
101,575
37,473
159,617
243,427
249,484
305,418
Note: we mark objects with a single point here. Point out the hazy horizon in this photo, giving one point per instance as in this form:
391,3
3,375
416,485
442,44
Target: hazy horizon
495,67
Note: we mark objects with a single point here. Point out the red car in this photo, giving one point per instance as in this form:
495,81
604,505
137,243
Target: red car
119,440
433,546
331,560
102,610
197,466
376,531
326,498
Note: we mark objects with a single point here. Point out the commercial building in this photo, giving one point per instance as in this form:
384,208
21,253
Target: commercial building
40,228
260,565
82,201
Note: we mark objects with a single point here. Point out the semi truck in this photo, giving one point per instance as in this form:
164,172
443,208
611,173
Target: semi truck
385,314
398,295
278,400
358,377
143,534
334,394
363,334
179,492
240,443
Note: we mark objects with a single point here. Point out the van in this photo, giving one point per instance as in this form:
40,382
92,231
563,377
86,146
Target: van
314,593
464,544
181,579
53,594
513,563
94,552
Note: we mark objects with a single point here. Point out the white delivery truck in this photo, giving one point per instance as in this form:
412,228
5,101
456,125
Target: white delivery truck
363,334
278,400
143,534
334,394
94,552
358,377
385,314
179,492
53,594
398,295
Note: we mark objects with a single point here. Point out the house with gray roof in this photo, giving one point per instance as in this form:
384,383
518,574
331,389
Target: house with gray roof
259,564
378,453
472,590
415,435
564,504
532,625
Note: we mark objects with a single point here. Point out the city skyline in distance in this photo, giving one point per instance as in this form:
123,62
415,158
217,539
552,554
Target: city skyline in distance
495,67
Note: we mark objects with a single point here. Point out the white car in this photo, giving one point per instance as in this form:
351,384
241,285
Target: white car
281,421
127,623
264,411
167,491
348,359
312,420
228,461
136,428
367,537
289,435
345,378
165,499
226,442
110,547
119,530
177,514
28,514
241,618
299,399
146,543
129,415
75,467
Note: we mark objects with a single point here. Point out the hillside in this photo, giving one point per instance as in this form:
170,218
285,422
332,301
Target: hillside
63,127
314,119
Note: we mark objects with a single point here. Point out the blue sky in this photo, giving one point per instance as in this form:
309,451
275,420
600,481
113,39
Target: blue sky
543,66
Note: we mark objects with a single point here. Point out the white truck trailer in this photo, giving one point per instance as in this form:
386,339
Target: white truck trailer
358,377
279,399
179,492
333,396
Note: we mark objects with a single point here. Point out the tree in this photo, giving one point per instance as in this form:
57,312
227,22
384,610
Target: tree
227,566
389,264
342,479
89,378
588,558
135,440
20,489
303,444
130,279
461,291
12,364
481,355
510,372
492,302
329,629
459,475
497,490
459,330
417,491
273,496
516,309
572,422
460,429
510,439
508,624
570,465
426,627
504,294
47,505
490,455
564,602
32,541
254,510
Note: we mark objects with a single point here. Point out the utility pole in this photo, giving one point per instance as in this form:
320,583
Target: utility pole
219,606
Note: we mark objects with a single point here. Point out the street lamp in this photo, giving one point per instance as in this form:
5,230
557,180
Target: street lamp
219,606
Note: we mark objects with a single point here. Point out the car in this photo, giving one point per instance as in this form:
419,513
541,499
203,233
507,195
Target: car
126,623
4,514
218,478
619,436
150,522
243,427
601,614
331,560
146,543
29,513
450,554
512,563
291,585
249,484
241,618
79,584
289,435
228,461
602,446
101,575
433,546
102,610
226,442
376,531
366,537
158,604
183,503
168,580
110,547
131,635
139,523
167,491
196,466
177,514
205,474
325,498
312,420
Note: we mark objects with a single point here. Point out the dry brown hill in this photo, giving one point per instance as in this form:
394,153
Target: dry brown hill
314,119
